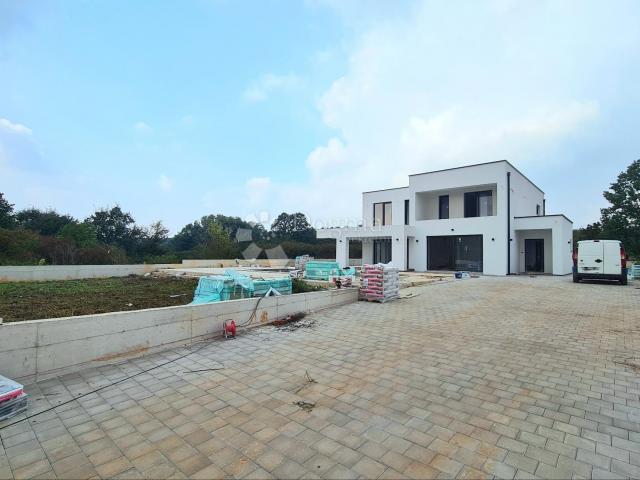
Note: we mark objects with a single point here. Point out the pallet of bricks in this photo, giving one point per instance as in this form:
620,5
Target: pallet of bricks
380,283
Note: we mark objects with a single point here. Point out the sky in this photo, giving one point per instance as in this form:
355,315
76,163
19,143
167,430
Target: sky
175,110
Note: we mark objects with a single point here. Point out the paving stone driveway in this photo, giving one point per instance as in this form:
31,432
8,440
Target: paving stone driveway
489,377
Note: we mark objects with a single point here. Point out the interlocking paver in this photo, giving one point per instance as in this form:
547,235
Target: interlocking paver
507,377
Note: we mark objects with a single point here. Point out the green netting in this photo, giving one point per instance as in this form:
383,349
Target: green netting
233,285
220,287
321,270
282,285
315,270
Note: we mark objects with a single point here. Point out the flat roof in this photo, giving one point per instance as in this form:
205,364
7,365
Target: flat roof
385,189
550,215
478,165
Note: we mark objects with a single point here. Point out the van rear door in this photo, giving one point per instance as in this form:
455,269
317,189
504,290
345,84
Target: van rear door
612,265
590,257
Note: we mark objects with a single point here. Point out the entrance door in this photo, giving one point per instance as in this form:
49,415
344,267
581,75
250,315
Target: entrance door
534,255
382,250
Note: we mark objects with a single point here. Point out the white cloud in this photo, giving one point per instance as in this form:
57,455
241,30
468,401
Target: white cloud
15,128
446,86
165,183
260,89
18,149
142,127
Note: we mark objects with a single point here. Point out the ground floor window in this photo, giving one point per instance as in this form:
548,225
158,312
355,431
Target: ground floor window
382,250
455,252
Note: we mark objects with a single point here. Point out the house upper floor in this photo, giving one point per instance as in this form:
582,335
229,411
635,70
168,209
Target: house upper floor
472,191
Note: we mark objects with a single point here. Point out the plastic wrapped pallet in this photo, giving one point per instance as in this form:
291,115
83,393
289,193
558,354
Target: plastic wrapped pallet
380,283
13,400
315,270
301,261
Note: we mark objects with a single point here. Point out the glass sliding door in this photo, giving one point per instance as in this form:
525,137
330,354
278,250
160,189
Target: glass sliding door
455,252
382,250
478,204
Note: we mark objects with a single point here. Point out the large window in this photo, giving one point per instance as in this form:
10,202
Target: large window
455,252
382,213
478,204
443,207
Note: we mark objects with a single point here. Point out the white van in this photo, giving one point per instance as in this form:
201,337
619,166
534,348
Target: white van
600,260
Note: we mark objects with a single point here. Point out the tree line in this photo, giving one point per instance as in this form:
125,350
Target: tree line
621,219
112,236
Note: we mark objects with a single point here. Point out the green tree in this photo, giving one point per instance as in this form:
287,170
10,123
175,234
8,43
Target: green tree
44,222
115,227
154,240
590,232
83,235
6,213
621,220
220,244
294,226
191,235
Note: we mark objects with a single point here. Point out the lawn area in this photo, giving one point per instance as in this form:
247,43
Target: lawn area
64,298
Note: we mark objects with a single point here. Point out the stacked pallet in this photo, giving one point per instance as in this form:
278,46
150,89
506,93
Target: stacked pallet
13,400
301,261
380,283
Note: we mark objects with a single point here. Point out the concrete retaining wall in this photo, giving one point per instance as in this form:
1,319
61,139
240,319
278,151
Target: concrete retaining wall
38,273
37,349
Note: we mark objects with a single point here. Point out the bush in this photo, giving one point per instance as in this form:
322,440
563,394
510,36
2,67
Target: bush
18,247
300,286
102,255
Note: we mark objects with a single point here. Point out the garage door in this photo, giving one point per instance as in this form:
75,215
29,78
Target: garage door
455,252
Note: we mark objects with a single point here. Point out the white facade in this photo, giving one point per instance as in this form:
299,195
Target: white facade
458,219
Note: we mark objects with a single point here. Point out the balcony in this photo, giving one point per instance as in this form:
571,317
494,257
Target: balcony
465,202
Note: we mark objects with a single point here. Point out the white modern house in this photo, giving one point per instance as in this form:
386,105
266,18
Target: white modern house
486,218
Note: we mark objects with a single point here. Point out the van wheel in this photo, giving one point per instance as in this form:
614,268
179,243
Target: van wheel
576,278
623,280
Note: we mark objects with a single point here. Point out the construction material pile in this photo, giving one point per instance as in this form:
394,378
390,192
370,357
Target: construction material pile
13,400
380,283
233,286
327,271
315,270
301,261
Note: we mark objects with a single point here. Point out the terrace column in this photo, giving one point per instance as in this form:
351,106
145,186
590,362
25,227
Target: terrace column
342,251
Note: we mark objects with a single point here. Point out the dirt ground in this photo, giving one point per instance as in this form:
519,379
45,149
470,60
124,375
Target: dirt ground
37,300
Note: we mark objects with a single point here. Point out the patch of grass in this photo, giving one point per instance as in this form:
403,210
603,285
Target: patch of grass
300,286
65,298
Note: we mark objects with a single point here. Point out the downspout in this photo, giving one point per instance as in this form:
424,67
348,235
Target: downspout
508,223
544,207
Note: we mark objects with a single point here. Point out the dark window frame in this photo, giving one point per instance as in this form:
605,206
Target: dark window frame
441,204
448,252
406,212
472,203
383,219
